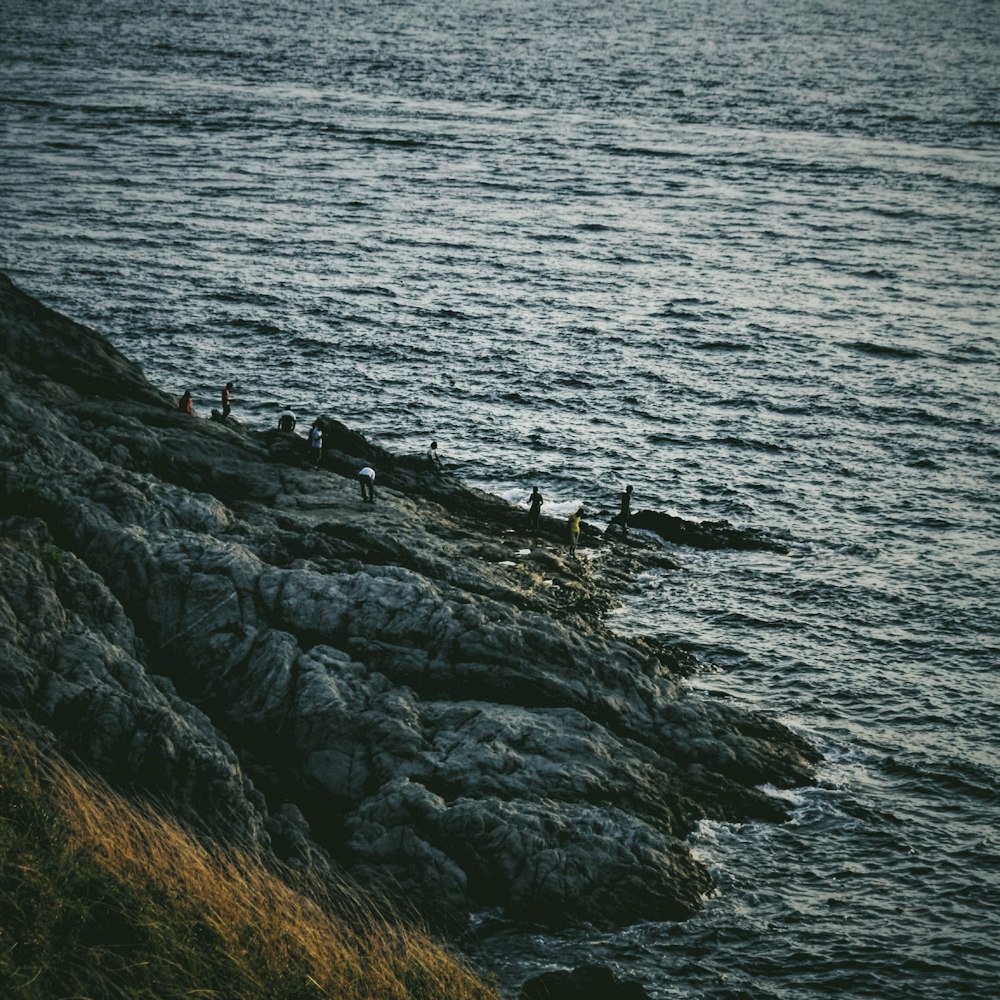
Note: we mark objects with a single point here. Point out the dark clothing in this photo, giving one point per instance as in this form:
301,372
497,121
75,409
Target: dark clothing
626,510
367,487
535,510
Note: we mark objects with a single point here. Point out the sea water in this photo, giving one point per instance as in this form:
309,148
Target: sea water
742,255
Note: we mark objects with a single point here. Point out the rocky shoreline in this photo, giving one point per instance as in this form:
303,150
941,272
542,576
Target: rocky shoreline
400,690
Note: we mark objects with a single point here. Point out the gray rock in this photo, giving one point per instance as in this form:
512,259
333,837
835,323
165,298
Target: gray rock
587,982
192,612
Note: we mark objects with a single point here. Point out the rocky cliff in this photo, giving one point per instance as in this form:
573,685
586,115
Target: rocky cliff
198,614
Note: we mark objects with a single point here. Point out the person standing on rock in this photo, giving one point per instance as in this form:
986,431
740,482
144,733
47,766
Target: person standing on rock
626,509
433,458
574,530
316,443
227,399
286,422
184,404
367,479
535,502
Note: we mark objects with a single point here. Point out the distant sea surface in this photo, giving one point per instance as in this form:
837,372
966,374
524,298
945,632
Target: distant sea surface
743,255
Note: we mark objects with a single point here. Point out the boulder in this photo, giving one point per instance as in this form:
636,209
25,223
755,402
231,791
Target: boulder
703,534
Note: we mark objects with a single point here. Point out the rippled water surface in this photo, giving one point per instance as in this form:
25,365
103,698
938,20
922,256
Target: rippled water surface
742,255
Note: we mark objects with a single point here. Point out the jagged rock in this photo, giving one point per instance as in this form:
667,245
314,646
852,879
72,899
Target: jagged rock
198,615
702,534
586,982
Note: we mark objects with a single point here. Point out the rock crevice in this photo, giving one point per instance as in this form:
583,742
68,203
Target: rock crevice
200,616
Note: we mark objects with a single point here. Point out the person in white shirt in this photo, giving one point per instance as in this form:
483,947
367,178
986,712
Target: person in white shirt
316,443
367,479
433,457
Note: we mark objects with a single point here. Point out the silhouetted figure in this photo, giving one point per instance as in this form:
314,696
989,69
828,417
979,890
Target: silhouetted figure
626,509
573,523
535,502
286,422
184,405
367,479
316,443
227,400
433,458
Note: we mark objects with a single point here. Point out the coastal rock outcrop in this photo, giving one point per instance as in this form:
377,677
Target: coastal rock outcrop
396,688
587,982
702,534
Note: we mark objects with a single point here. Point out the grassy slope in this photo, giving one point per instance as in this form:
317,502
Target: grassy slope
104,897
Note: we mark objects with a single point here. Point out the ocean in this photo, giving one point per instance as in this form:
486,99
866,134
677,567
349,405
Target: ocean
742,255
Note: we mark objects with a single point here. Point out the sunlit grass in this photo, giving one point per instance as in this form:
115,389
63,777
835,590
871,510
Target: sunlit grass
102,896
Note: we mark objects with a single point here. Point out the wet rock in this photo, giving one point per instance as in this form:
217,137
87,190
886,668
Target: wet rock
586,982
196,613
705,534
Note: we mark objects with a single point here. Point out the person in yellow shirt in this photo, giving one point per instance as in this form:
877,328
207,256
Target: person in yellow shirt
574,530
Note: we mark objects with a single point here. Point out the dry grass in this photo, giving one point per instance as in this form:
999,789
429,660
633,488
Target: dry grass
101,896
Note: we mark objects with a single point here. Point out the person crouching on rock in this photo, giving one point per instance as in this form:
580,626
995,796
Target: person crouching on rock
184,405
574,530
367,479
433,458
286,422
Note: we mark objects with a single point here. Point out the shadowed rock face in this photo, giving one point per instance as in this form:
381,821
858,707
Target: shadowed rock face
195,612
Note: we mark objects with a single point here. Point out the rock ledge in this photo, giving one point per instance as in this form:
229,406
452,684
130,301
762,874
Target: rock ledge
390,688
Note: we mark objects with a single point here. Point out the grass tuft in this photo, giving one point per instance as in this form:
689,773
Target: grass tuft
103,896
